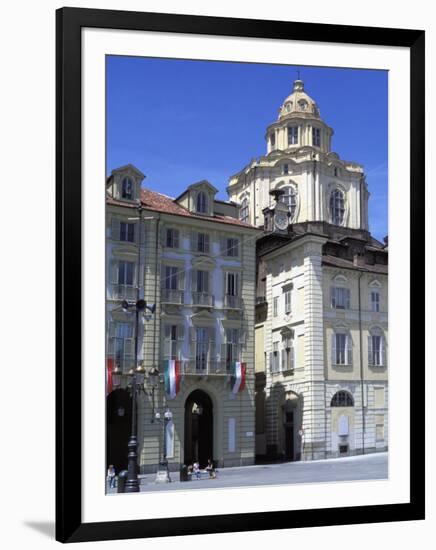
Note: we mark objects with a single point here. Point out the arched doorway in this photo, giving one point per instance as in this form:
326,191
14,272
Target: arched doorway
118,424
198,428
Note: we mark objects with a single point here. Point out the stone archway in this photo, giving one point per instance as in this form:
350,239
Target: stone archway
198,428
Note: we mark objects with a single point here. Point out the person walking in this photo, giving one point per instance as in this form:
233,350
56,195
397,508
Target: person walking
111,476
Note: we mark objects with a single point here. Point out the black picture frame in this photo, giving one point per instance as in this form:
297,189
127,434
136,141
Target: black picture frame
69,22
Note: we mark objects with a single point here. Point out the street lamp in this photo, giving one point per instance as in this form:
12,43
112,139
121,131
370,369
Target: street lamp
135,385
163,473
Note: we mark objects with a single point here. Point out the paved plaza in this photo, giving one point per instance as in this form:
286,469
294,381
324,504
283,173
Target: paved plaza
366,467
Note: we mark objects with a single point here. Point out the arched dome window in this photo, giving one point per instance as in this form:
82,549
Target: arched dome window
289,197
127,188
244,211
337,207
202,202
342,399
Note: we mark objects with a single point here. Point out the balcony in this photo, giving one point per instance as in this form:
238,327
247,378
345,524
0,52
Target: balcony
205,368
124,292
232,302
202,299
171,296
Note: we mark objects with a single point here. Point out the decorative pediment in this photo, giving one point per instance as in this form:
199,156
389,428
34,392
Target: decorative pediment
171,314
203,185
203,318
203,262
129,169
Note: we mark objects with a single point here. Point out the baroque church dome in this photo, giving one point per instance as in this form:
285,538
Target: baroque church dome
299,103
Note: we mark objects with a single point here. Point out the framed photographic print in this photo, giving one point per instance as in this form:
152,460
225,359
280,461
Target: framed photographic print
240,283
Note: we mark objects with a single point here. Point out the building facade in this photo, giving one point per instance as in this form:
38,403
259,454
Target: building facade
321,322
193,262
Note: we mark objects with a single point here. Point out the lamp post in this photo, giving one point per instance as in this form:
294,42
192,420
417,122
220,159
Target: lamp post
135,376
153,381
135,384
163,473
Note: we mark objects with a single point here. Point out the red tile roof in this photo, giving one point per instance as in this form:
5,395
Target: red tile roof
334,261
158,202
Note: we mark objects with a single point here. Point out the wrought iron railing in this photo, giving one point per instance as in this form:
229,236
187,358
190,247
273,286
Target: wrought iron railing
171,296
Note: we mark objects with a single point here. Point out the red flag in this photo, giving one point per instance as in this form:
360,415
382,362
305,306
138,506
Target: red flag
109,368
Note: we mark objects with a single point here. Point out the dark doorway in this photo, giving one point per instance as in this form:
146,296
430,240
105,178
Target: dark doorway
198,428
289,435
118,418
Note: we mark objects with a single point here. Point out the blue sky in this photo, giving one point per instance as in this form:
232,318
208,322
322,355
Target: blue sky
183,121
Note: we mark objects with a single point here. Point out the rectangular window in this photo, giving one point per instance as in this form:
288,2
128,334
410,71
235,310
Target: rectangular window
231,347
275,306
202,281
125,273
121,345
232,291
272,139
286,169
376,350
233,247
203,243
127,232
171,277
375,300
288,302
172,238
232,284
341,349
174,335
316,137
292,135
275,358
202,348
340,298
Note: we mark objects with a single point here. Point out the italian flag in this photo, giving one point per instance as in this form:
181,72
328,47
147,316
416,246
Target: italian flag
109,369
238,377
172,377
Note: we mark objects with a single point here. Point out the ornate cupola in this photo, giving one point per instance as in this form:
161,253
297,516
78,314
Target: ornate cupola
299,124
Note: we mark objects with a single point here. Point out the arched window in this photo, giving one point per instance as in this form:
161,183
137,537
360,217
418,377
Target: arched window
202,202
127,188
289,197
244,211
342,399
337,207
